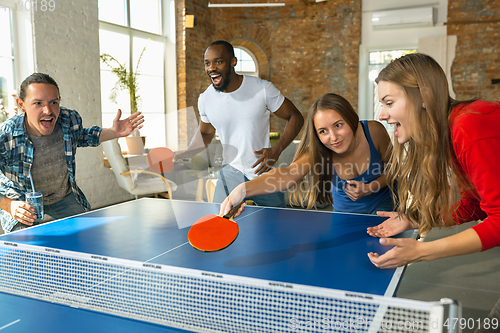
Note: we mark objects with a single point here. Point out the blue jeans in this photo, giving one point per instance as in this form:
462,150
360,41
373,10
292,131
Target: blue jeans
385,206
65,207
230,177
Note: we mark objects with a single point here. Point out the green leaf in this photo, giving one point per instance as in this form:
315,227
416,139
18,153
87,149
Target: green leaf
127,78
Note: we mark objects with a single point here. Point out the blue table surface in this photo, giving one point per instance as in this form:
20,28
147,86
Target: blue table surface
311,248
23,315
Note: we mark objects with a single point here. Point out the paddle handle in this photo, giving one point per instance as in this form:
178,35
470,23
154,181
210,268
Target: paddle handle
233,211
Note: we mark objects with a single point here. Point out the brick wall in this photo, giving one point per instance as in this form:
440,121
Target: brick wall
476,23
192,80
312,48
67,48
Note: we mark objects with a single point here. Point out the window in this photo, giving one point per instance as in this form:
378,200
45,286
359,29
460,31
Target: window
127,27
246,62
385,57
377,61
7,84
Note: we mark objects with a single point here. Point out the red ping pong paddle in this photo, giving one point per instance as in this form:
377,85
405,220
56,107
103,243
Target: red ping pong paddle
160,160
214,232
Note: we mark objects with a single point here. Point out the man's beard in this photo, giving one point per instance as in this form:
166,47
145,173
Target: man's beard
226,78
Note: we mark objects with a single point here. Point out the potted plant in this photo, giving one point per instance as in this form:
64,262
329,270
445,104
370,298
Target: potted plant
4,113
127,80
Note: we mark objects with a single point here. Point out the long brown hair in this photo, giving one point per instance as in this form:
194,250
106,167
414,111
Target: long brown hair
425,168
317,184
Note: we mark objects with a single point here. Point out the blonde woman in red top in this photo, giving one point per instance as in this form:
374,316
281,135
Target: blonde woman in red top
444,162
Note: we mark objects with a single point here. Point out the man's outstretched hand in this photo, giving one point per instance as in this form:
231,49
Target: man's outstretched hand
267,159
125,127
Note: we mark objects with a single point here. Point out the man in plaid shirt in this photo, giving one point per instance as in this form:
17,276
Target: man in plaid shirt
41,143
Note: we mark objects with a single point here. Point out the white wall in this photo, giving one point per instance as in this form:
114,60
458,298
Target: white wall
171,118
66,46
372,40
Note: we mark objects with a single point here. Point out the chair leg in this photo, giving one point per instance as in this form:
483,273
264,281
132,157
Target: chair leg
166,195
199,190
210,189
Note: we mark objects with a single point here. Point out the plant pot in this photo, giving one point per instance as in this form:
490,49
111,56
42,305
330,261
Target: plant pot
136,144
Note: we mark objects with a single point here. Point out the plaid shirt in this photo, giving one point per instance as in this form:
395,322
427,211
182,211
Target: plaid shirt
16,157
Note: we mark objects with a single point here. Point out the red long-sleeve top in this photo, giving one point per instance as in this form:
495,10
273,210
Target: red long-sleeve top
475,132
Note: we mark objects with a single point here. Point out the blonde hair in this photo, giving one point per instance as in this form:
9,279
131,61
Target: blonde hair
317,184
425,168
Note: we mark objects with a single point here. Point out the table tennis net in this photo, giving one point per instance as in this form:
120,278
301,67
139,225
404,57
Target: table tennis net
204,301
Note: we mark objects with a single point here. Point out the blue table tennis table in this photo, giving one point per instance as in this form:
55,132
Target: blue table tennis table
280,250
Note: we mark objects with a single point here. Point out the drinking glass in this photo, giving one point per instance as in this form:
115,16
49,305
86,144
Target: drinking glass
35,200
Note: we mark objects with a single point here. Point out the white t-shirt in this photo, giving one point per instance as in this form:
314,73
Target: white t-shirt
241,119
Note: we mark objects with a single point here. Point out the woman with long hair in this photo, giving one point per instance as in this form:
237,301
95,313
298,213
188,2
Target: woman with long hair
444,162
340,160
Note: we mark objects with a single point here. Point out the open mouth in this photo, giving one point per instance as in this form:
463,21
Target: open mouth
216,78
47,122
396,127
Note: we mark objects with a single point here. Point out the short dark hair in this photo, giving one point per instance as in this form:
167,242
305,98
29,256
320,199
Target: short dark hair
36,78
229,48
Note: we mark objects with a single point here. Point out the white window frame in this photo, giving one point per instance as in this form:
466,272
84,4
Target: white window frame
365,84
250,53
167,37
9,102
23,63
